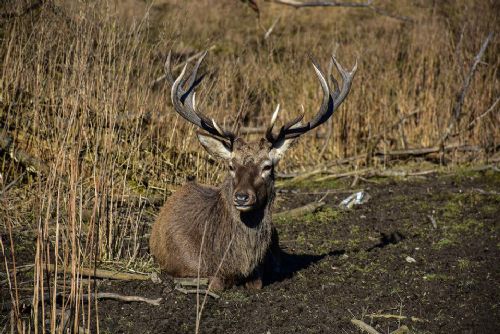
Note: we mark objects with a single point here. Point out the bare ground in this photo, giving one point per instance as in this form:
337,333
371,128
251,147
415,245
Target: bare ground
382,262
353,264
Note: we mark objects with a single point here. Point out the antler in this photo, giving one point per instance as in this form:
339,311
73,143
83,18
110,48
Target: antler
184,99
331,101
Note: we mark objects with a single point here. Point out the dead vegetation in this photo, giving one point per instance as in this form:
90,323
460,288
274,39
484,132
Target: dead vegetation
88,147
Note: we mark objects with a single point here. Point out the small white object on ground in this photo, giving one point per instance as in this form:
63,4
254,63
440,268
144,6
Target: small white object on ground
433,221
155,278
358,198
409,259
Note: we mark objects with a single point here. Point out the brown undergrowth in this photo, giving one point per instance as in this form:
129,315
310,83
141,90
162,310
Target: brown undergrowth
89,150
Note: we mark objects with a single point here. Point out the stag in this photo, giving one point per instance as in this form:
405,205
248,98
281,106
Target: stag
226,232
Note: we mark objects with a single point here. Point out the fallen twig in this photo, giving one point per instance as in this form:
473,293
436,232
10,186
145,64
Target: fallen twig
328,192
428,150
300,211
484,192
396,316
433,221
19,269
101,273
364,327
398,154
195,291
401,330
483,168
374,173
302,176
115,296
355,182
86,297
190,281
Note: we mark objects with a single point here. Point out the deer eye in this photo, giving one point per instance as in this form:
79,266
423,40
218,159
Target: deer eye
266,168
231,167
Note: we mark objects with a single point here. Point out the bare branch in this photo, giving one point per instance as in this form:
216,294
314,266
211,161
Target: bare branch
271,28
490,109
300,4
368,5
457,108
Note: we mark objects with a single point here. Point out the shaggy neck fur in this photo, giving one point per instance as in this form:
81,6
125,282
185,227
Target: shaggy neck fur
245,235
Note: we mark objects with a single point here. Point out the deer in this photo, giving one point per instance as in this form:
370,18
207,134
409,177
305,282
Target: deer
226,233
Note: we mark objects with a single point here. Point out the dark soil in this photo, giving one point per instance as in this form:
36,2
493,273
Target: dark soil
351,264
383,257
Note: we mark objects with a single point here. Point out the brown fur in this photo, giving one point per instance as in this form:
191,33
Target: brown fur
196,210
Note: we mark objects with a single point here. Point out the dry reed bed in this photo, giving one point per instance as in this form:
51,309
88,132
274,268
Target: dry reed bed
75,94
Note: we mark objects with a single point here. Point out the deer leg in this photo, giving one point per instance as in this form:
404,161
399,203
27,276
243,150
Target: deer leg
254,282
217,283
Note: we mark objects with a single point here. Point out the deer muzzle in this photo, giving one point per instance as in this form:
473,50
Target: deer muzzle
244,200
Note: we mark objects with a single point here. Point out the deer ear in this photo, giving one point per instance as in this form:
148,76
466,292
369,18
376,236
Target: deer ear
279,149
216,147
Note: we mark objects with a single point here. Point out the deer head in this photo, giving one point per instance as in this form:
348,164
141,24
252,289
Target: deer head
251,165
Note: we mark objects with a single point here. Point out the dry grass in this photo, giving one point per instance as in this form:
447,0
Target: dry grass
74,94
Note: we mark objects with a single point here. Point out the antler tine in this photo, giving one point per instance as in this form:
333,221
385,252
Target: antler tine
326,109
275,116
192,81
346,80
168,69
269,132
184,99
331,101
336,90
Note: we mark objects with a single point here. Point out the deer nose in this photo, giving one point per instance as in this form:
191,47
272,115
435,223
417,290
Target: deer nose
241,198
